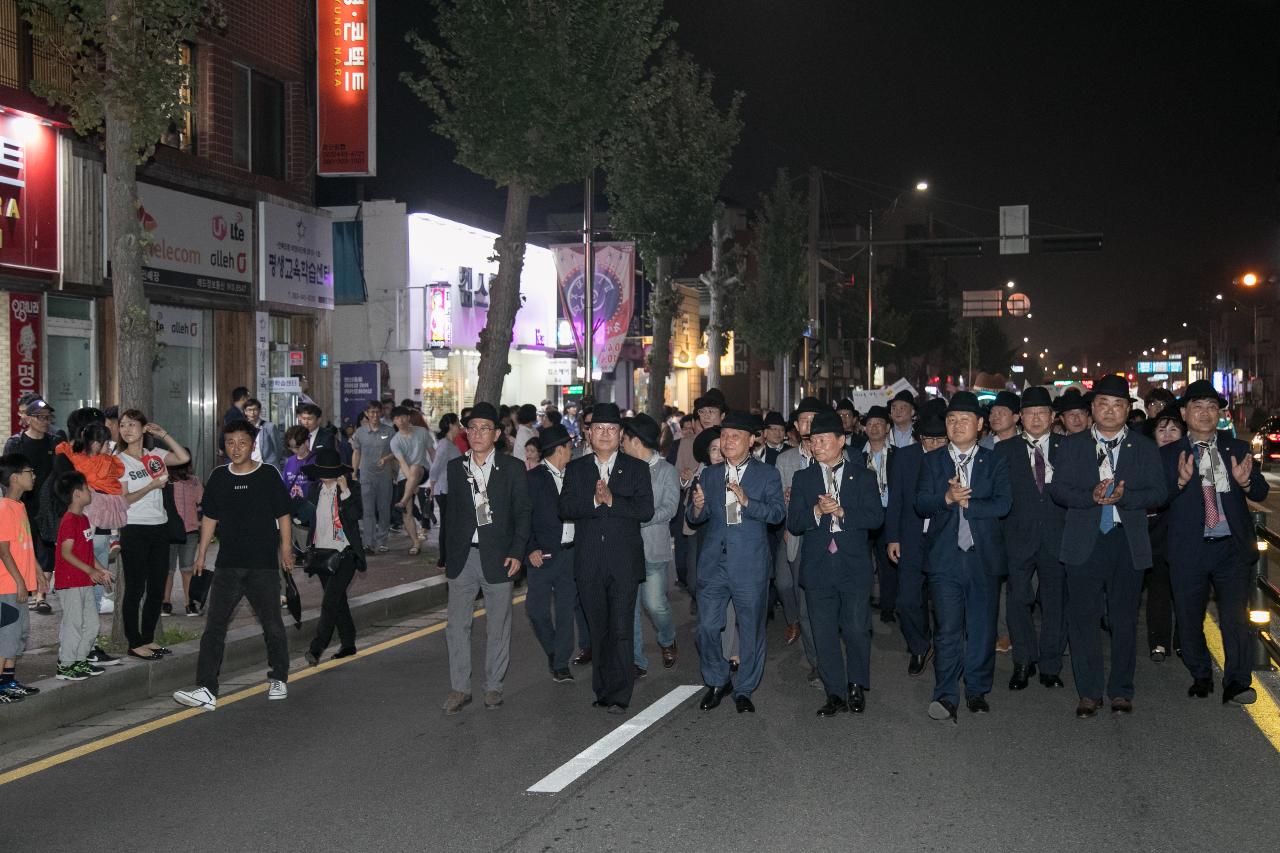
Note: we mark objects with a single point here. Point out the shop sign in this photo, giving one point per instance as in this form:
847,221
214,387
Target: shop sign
28,194
25,312
286,385
195,243
358,383
560,371
345,87
262,352
178,327
295,252
439,317
297,358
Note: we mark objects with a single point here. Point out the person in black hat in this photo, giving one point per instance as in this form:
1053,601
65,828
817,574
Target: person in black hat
737,500
607,496
834,506
336,531
487,526
964,492
1002,419
904,533
1211,477
876,455
1106,477
786,569
852,423
640,440
1073,410
553,593
775,438
1033,539
902,412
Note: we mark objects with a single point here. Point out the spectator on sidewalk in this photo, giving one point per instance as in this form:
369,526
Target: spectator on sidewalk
246,504
409,447
20,576
187,493
335,553
235,412
437,478
524,418
75,573
374,466
37,444
267,447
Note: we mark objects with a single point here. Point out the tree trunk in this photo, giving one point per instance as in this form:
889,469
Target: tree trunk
715,322
504,297
660,352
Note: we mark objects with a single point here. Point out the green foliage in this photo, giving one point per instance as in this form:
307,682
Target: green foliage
526,89
771,308
668,156
124,56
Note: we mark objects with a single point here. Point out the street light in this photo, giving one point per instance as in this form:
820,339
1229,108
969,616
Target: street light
1249,279
921,186
1009,284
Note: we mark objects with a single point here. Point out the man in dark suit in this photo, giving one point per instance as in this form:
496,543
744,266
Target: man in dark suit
876,456
737,500
486,526
322,435
904,533
964,492
553,595
1106,477
607,496
1210,477
1033,540
835,505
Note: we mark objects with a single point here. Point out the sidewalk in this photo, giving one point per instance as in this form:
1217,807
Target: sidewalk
385,570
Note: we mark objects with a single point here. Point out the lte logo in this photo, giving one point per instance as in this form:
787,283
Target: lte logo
222,229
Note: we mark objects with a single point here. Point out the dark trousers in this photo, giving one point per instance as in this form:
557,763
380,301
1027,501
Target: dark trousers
262,588
717,586
442,501
965,604
1160,622
334,610
551,604
682,546
1222,565
1108,576
1045,650
144,550
840,607
198,591
609,603
887,570
913,604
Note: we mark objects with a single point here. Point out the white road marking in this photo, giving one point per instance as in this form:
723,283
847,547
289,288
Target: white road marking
567,773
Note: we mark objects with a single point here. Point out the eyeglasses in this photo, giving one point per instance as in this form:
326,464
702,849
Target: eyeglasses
606,429
46,418
27,471
479,430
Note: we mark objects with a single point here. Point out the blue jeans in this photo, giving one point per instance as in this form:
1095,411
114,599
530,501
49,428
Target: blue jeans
653,593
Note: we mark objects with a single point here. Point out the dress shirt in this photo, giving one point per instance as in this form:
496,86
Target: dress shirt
479,475
557,476
1043,443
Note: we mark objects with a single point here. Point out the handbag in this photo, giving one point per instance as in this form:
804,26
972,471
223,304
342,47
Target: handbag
175,527
323,561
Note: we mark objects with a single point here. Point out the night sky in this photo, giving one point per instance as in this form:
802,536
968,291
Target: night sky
1156,123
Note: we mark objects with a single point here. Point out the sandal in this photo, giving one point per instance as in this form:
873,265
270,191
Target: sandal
43,608
415,551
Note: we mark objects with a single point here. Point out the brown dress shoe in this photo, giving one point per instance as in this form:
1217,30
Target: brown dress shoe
793,633
1121,706
1088,708
583,658
1003,645
669,655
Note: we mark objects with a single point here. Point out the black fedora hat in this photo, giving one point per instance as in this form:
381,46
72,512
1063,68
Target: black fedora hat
1009,400
904,396
775,419
1036,396
483,411
931,425
1071,399
606,413
828,421
713,399
551,438
964,401
876,412
744,421
702,444
846,405
1202,389
811,404
1112,386
326,464
644,428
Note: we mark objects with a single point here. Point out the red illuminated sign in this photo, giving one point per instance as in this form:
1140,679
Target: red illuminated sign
345,81
24,349
28,193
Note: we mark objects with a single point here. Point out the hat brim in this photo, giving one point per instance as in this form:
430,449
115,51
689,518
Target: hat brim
1183,401
317,472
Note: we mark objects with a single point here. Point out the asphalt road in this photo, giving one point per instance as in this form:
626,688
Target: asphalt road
360,758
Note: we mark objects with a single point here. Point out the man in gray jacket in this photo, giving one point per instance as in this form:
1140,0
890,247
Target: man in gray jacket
640,440
267,447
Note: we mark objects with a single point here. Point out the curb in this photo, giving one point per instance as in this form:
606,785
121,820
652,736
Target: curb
62,703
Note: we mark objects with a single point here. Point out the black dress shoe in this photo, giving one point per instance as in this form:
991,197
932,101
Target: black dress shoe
733,666
616,708
146,656
942,710
714,696
1201,688
583,658
857,699
1021,674
835,705
1241,694
599,703
918,662
1051,680
744,705
978,705
344,653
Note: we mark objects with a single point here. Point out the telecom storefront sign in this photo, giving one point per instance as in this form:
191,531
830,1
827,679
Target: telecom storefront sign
25,315
295,252
345,84
28,194
196,243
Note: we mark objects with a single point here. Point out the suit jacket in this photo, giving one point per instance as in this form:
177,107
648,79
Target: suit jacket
745,545
656,532
989,479
1185,517
1076,474
350,511
890,451
272,446
509,503
606,539
546,530
860,498
790,462
1034,518
902,524
326,436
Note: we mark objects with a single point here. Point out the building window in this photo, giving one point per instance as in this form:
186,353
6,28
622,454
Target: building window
257,122
22,59
182,130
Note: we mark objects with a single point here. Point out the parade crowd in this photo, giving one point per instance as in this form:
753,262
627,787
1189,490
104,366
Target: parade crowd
1030,526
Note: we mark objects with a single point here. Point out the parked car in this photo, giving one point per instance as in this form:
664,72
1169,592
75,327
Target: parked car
1266,443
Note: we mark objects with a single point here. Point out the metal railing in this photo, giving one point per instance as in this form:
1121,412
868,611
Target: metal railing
1264,598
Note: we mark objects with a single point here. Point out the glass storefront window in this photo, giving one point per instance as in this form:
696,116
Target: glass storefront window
183,389
69,382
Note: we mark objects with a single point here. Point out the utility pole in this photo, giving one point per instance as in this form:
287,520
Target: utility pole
815,190
588,286
871,275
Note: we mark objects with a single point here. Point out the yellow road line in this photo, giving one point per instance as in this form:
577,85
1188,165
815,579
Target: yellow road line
186,714
1264,713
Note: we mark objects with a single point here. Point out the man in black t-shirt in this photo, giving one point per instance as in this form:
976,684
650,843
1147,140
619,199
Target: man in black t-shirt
246,503
36,443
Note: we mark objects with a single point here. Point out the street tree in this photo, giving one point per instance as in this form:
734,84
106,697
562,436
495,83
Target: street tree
665,162
526,92
125,82
771,310
722,281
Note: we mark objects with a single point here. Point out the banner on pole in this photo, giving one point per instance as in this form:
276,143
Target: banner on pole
345,80
613,296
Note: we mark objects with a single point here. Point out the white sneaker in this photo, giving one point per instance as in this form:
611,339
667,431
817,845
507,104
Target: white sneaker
107,606
198,698
278,690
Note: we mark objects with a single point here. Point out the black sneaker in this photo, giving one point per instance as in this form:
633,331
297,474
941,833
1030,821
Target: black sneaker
98,657
561,675
166,609
192,609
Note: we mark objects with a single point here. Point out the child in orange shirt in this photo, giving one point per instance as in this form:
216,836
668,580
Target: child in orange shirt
19,577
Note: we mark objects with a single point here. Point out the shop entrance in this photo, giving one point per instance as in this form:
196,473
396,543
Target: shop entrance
183,382
70,355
